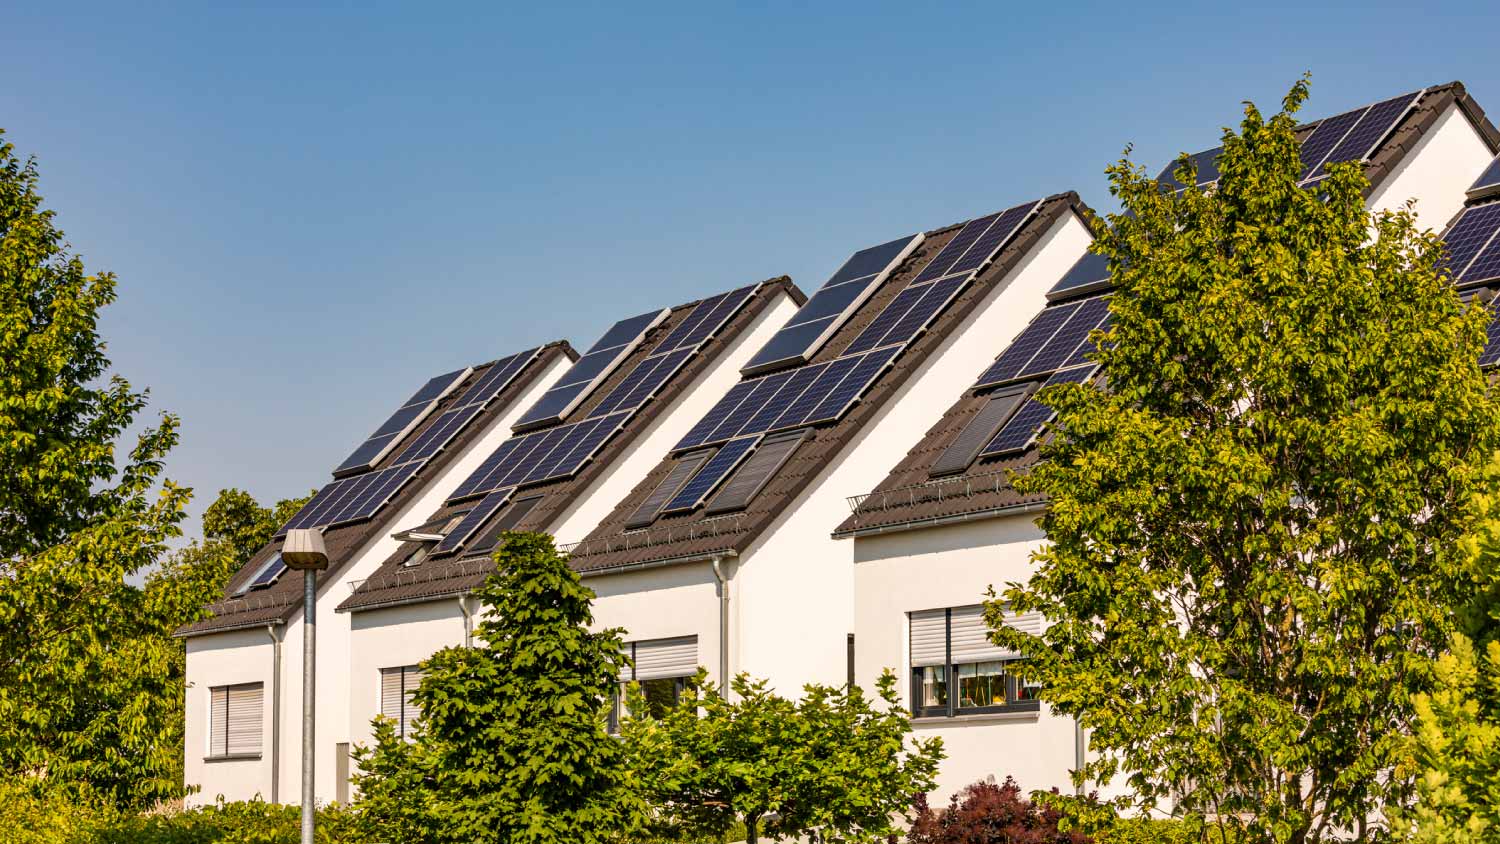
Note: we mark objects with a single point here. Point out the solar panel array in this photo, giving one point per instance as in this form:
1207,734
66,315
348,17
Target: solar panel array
814,394
1491,354
1025,427
557,452
590,370
1057,338
831,306
395,428
1473,245
1351,136
355,497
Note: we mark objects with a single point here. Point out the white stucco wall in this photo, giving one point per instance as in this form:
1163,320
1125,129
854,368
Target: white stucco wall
390,638
207,661
226,659
1445,162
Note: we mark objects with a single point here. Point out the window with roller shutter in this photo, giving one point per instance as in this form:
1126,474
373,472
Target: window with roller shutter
662,667
235,715
396,688
957,670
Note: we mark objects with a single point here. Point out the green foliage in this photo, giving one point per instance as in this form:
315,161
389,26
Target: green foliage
831,765
1456,748
512,744
1254,533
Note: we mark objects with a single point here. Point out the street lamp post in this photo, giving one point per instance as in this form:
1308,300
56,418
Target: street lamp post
304,550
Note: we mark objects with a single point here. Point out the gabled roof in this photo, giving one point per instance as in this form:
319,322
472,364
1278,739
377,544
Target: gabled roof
695,534
276,603
913,496
435,577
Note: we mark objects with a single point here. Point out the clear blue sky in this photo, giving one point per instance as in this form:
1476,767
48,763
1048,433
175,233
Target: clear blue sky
313,210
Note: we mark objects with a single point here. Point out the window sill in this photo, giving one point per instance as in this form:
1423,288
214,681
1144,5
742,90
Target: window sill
232,757
977,718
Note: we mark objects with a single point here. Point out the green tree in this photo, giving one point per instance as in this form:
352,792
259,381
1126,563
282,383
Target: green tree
1456,748
512,745
84,656
1253,533
830,767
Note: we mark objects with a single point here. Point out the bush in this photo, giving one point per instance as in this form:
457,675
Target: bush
986,813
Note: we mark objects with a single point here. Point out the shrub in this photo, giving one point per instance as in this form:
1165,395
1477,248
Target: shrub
986,813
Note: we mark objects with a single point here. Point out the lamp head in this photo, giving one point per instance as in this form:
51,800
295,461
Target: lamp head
303,550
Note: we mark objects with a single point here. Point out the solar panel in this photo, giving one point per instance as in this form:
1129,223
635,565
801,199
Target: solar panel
399,424
783,398
747,482
1073,334
1089,274
375,490
508,520
684,468
837,402
713,472
1467,237
1486,265
304,517
759,395
881,325
820,388
1207,163
698,434
1491,354
1023,428
1008,366
472,521
831,306
1488,182
1327,135
269,573
591,369
937,297
643,382
716,317
982,428
977,242
1374,124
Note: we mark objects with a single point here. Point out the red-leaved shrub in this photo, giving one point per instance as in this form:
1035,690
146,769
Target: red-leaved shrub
986,813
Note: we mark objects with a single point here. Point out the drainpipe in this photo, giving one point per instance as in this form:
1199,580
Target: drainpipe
463,607
275,713
717,563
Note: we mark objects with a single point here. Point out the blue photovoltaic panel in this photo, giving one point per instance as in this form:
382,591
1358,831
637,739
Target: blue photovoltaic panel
837,402
1023,428
1376,122
495,379
588,444
472,521
1488,181
723,310
473,484
998,233
304,517
881,325
1468,236
954,249
400,424
783,398
1328,134
713,472
1008,366
1491,354
763,390
439,433
546,466
678,337
269,573
1081,354
1486,265
831,306
374,493
1207,166
546,442
596,365
1091,272
642,383
698,434
825,384
939,294
1073,333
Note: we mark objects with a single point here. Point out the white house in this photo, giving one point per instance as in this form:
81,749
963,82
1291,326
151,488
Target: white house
944,525
571,457
244,690
722,555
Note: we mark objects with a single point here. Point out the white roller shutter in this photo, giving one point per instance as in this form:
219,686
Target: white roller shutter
659,658
218,722
244,711
971,642
929,632
411,678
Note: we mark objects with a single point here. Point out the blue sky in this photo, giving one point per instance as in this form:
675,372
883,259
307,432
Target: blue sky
311,210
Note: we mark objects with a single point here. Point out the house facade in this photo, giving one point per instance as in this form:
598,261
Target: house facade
944,525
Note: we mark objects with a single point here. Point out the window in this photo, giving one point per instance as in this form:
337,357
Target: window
234,721
396,687
957,670
747,483
981,429
673,483
508,520
662,667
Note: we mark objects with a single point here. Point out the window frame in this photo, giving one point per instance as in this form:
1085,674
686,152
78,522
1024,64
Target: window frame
218,745
950,708
401,718
617,705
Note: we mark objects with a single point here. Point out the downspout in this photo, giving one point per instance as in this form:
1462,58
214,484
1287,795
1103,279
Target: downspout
1080,749
717,563
463,607
275,713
